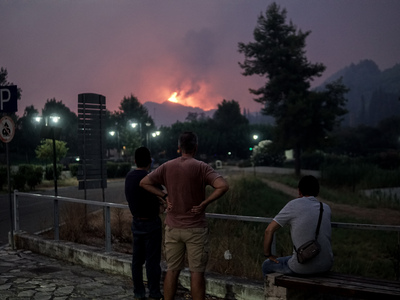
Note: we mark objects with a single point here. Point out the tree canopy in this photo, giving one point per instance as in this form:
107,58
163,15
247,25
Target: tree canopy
133,123
302,117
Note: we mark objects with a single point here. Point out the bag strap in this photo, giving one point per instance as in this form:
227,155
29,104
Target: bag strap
321,210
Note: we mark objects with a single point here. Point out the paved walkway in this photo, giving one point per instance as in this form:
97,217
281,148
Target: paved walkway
27,275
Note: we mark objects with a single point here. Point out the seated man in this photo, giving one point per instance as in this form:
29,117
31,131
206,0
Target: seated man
302,215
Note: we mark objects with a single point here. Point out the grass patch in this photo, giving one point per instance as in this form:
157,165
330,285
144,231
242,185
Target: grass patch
48,184
345,194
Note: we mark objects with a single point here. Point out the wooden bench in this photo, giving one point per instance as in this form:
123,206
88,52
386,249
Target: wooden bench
329,286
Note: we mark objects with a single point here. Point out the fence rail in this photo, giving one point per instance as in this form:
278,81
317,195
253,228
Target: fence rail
107,215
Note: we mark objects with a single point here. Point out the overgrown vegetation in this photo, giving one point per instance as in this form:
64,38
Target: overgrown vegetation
346,183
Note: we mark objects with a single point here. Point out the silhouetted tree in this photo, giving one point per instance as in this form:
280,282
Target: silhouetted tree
302,117
68,123
27,135
134,124
4,81
232,130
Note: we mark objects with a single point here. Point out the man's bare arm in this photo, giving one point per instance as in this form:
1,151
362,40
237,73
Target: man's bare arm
147,184
220,186
268,237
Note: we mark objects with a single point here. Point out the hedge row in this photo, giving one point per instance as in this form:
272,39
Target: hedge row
30,176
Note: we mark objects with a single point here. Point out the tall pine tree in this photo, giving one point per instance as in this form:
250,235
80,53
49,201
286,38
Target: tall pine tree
302,117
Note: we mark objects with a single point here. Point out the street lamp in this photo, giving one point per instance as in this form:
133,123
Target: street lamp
156,133
49,131
135,124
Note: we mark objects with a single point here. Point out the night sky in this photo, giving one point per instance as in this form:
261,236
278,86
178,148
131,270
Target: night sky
151,49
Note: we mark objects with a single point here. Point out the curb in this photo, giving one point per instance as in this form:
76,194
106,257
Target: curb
226,287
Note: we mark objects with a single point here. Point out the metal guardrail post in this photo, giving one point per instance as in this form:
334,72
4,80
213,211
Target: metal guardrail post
16,211
107,223
56,221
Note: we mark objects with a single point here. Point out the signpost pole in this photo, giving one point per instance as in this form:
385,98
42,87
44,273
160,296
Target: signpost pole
10,198
7,131
8,104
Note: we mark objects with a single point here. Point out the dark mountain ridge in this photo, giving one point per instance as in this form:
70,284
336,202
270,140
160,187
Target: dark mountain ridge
374,95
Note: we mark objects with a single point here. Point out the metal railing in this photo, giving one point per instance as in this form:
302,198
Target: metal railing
107,217
106,205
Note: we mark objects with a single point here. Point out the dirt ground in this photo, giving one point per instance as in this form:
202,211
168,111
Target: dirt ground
382,216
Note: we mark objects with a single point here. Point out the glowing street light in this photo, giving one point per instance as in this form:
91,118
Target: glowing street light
157,133
113,133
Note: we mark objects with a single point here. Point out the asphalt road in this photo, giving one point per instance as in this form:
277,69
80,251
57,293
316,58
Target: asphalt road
37,215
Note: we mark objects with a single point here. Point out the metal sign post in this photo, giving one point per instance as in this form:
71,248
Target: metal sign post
7,131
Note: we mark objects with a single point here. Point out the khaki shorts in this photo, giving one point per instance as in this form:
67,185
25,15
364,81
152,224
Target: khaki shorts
194,240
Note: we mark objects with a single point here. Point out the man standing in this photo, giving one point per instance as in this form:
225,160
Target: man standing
302,215
146,229
185,179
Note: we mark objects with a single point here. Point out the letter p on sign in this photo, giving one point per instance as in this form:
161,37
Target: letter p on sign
8,98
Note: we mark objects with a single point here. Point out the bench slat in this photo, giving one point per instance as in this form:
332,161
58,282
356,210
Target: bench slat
363,280
342,285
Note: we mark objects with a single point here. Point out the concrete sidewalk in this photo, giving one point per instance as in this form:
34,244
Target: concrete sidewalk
47,269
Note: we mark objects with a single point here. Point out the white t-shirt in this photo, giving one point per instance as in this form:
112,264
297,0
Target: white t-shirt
301,215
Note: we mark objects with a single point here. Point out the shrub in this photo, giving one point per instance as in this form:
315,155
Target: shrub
123,169
18,181
3,176
112,169
266,154
74,169
349,173
34,176
117,170
49,172
389,160
312,160
30,175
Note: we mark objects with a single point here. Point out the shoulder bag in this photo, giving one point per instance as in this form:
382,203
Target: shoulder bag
312,248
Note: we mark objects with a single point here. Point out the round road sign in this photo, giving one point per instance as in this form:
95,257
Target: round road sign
7,129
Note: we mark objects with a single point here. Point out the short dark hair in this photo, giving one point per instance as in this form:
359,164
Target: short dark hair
309,186
142,157
188,142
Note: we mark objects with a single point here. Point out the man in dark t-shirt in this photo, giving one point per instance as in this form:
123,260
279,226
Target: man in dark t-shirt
146,228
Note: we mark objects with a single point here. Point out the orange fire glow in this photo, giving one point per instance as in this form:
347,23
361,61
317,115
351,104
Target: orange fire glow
173,98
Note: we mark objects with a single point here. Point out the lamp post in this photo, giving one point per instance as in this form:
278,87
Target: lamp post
113,133
255,138
135,124
49,132
54,120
